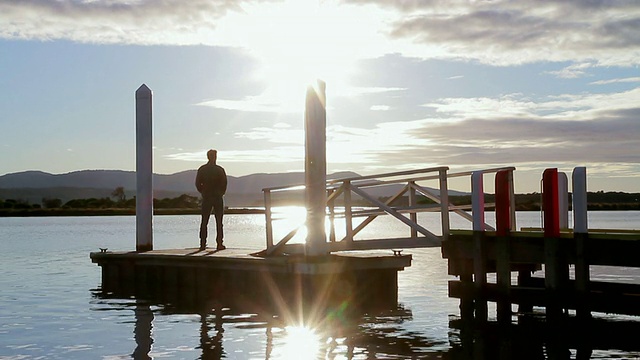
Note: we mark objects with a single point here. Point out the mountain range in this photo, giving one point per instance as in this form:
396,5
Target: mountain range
33,186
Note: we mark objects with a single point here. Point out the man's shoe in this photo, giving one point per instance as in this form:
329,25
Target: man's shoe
221,247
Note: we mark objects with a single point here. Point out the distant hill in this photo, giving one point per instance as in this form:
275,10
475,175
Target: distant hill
33,186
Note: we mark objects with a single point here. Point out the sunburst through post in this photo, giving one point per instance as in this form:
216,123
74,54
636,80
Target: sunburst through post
315,121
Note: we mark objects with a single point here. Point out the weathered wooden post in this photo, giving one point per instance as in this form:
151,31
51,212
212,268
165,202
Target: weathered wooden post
144,170
563,200
477,200
503,189
480,247
581,236
556,272
315,121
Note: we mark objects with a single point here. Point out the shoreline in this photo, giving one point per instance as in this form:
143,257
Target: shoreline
191,211
116,212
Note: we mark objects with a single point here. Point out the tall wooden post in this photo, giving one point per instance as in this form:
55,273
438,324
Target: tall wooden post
479,251
556,272
315,121
144,170
503,186
477,200
581,237
550,203
563,200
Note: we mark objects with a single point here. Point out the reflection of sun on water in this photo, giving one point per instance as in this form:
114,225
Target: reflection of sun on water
299,342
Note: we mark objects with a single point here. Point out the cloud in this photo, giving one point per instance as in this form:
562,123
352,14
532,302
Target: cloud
289,99
276,134
616,81
596,129
508,32
278,154
501,32
571,107
117,21
572,71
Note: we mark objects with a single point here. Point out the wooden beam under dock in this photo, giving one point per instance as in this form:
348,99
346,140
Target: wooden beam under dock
189,276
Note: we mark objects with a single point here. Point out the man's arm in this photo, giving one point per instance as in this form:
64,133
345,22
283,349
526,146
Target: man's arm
224,182
198,182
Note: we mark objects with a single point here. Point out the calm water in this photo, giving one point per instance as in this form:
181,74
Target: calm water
49,308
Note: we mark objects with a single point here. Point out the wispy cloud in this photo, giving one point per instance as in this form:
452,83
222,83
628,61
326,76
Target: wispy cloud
278,99
617,81
273,155
572,71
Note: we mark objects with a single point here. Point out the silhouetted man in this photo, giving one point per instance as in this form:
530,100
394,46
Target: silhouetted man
211,182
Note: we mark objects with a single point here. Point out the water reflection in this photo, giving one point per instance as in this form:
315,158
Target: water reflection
211,331
378,335
143,331
298,342
383,334
533,337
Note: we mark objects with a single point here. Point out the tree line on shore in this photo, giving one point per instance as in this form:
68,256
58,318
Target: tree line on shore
118,200
524,202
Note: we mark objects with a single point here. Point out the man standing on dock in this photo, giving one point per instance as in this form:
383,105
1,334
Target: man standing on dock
211,182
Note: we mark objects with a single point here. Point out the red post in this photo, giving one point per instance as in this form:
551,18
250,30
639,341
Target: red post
503,203
550,205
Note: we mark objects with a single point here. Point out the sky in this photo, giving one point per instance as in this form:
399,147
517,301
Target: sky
409,84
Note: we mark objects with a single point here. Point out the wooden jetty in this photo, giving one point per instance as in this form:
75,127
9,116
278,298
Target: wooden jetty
472,255
326,268
281,274
361,271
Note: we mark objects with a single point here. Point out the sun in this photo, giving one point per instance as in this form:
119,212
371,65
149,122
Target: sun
298,42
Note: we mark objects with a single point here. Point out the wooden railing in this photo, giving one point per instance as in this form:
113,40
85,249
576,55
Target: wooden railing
341,191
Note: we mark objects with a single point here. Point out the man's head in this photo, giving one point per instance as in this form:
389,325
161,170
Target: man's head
212,155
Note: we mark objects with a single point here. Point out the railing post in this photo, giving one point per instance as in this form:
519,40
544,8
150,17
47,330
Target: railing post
268,217
412,203
348,218
444,204
332,216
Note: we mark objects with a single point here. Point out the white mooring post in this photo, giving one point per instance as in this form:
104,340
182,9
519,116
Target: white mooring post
144,170
315,122
579,178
